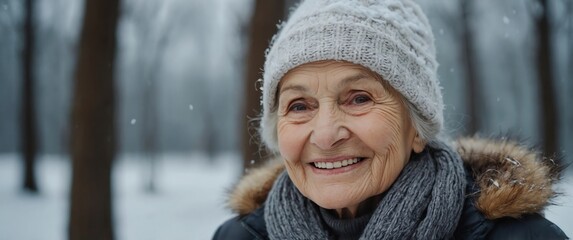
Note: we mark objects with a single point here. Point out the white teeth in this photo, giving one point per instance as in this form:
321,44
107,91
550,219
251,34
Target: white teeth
334,165
329,165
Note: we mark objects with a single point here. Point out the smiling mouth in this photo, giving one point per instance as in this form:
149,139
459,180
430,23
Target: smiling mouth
337,164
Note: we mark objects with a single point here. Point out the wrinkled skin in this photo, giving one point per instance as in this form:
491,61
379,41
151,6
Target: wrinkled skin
331,110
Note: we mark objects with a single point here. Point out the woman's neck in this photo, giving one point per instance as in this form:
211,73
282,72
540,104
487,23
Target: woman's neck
364,207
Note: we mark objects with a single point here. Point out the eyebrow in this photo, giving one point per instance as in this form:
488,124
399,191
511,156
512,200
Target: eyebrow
293,88
345,81
352,78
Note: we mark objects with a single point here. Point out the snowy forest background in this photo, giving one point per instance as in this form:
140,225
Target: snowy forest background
185,73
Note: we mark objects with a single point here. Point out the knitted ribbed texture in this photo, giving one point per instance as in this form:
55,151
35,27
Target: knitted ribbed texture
390,37
425,202
345,229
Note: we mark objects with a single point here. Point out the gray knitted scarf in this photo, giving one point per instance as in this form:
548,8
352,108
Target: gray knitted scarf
425,202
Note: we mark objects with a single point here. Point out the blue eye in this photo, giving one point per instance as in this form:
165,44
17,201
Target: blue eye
297,107
360,99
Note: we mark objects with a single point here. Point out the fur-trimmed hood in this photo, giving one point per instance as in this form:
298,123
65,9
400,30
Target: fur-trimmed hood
513,180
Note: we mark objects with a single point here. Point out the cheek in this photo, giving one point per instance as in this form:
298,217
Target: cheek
383,133
291,139
389,131
380,131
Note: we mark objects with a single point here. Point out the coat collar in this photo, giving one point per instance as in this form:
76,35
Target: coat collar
511,180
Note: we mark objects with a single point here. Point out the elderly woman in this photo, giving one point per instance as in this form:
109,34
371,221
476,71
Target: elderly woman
353,110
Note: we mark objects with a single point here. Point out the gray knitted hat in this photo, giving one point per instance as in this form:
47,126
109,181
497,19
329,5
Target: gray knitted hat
390,37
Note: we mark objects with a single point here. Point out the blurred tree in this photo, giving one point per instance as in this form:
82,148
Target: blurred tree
549,115
470,63
156,26
93,138
265,16
210,136
569,15
28,123
153,42
150,124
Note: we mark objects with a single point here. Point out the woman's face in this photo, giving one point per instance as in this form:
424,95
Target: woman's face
343,135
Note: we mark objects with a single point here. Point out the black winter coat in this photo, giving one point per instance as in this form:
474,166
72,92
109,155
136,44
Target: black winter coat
478,221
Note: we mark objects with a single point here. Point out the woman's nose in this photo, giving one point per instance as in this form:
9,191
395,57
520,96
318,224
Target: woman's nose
328,130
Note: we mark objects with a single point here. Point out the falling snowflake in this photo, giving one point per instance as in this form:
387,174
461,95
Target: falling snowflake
505,20
133,121
190,107
494,182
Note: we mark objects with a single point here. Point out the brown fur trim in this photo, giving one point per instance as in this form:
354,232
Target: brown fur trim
513,180
254,187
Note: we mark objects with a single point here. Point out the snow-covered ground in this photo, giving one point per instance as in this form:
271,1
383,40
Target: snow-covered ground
188,204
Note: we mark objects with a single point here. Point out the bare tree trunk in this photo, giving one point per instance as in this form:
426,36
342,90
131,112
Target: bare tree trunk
472,78
209,136
548,107
149,67
29,138
93,136
263,26
150,127
570,59
152,44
